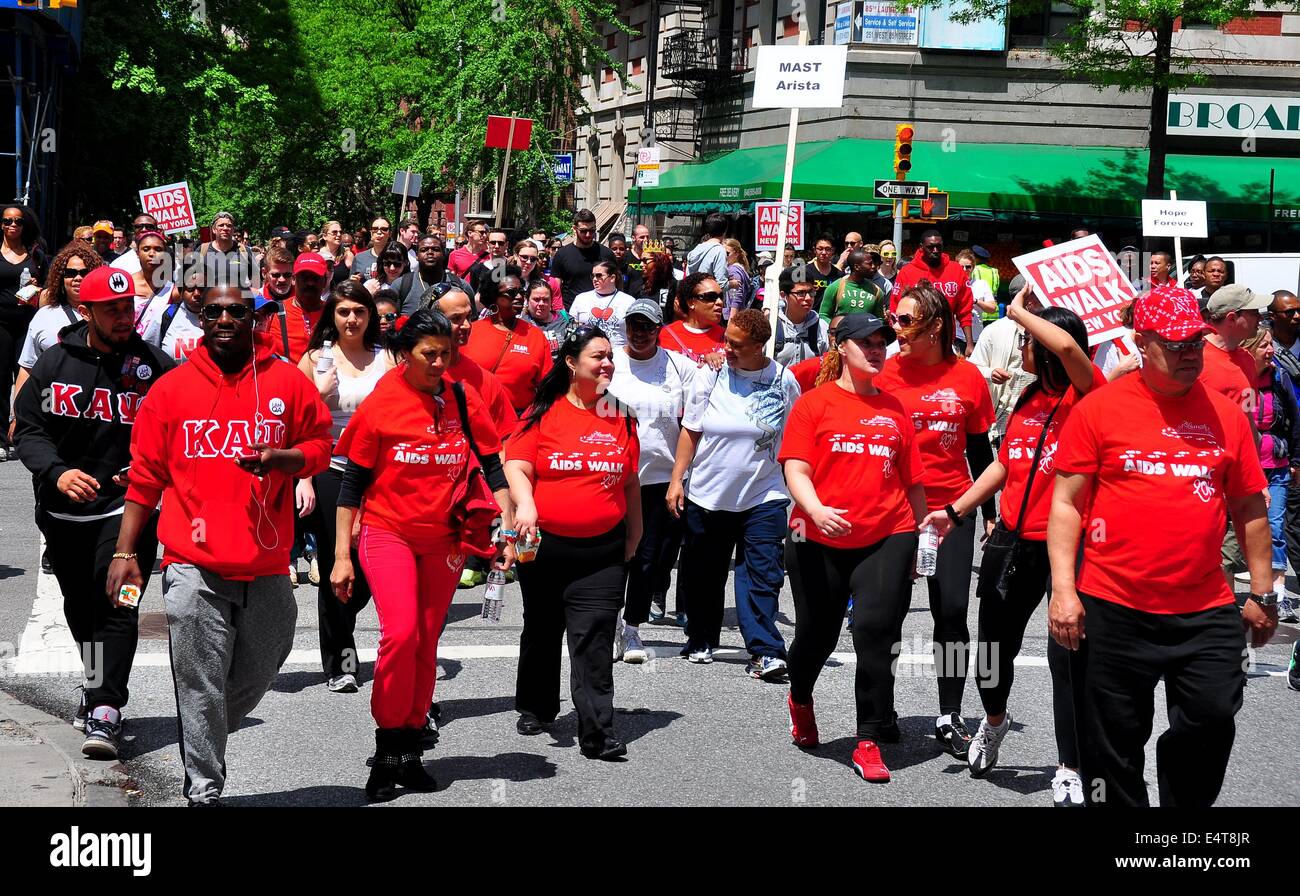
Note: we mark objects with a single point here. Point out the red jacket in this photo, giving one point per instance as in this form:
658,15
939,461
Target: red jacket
950,280
196,421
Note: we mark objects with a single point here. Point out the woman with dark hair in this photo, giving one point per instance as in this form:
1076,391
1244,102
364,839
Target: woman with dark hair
1055,348
659,282
22,268
503,344
572,468
155,290
698,334
350,322
1195,273
539,310
421,443
952,410
604,304
391,265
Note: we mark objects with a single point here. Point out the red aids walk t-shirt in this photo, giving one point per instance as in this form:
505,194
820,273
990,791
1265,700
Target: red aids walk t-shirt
301,325
490,390
677,337
1229,373
1163,467
519,359
581,460
946,401
1024,429
863,454
416,447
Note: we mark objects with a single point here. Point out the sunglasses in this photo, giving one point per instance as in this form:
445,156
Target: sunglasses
393,263
213,312
888,254
441,289
586,230
1288,312
528,257
512,293
12,222
379,230
711,296
1186,345
496,242
141,225
585,331
902,320
389,316
73,273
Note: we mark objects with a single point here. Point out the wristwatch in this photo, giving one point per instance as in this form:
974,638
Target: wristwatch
953,515
1265,600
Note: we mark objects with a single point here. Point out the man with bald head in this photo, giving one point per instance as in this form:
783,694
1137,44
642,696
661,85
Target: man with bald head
852,240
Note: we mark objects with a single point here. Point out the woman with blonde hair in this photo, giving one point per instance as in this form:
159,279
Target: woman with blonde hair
739,278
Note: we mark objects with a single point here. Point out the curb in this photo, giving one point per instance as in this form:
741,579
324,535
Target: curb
93,784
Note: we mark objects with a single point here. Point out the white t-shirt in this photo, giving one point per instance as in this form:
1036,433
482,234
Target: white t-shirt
655,391
608,311
182,336
128,261
741,415
43,332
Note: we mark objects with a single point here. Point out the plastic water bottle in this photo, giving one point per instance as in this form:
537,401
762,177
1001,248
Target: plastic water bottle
927,551
494,596
326,358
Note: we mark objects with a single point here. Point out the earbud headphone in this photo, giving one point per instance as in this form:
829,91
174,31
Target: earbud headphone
262,513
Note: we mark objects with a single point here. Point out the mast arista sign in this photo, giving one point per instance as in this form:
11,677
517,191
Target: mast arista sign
171,205
1082,276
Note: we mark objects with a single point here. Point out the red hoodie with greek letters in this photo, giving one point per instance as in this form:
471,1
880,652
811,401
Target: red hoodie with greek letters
196,421
950,279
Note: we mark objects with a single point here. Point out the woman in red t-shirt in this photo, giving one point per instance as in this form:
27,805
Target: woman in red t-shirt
572,467
698,335
951,411
1055,348
408,451
851,441
513,349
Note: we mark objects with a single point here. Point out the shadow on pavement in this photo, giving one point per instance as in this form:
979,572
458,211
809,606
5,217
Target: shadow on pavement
1021,778
147,734
323,795
515,767
8,572
472,708
295,682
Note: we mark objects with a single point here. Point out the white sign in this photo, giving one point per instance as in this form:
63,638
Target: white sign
1165,217
1204,115
767,225
647,166
171,206
800,77
1082,276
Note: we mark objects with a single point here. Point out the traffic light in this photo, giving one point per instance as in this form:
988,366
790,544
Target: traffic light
902,150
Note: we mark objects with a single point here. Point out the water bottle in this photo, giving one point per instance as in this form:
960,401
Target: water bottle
494,596
326,358
927,551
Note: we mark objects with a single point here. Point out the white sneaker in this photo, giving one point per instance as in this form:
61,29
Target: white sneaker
293,574
634,652
343,684
313,571
982,755
1067,789
703,655
620,639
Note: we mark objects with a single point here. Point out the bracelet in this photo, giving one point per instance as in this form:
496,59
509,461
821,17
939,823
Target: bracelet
953,515
120,555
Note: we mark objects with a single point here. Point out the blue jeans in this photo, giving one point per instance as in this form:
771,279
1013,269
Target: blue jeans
710,543
1278,480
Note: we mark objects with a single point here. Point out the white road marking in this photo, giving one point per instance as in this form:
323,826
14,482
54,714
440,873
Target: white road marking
47,646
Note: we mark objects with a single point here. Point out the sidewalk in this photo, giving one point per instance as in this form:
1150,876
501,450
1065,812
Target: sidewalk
41,763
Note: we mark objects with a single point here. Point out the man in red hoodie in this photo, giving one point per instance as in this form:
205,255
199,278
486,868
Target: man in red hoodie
220,445
933,264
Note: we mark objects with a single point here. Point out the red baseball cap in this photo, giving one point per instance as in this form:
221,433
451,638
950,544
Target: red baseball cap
106,284
1170,311
312,263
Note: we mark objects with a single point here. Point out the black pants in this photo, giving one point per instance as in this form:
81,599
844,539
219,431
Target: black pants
880,579
80,554
949,600
650,571
1115,671
1292,526
1001,634
575,585
338,620
14,319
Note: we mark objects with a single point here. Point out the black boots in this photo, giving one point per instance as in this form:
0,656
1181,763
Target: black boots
397,761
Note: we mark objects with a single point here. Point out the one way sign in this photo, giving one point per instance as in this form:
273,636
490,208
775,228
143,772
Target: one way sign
903,189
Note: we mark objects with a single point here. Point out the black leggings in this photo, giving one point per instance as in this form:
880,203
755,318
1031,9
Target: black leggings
1002,626
337,620
14,319
949,602
650,571
574,585
879,577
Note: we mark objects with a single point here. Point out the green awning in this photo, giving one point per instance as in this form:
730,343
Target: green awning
835,175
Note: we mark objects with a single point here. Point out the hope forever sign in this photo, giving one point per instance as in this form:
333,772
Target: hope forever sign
1082,276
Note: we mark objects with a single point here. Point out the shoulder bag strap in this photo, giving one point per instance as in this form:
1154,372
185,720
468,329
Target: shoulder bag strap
1033,467
284,328
459,392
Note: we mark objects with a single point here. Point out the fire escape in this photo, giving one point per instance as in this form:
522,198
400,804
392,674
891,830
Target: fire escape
708,67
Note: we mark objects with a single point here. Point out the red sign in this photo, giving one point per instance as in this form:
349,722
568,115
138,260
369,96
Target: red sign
1083,276
767,225
498,132
171,205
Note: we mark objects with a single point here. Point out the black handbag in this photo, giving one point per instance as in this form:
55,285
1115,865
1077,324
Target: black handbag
1002,549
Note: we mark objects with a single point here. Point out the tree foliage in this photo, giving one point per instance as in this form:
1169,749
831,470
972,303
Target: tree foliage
291,111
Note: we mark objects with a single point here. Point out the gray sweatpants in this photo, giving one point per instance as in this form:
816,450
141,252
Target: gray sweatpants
228,640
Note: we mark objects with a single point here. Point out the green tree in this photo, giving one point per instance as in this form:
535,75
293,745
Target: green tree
1127,44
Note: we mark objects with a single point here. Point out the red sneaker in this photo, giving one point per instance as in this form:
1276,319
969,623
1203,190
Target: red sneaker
868,764
803,724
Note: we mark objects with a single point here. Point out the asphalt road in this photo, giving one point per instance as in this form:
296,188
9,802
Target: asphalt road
697,735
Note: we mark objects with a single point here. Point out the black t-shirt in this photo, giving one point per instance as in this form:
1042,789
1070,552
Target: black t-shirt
11,274
632,276
572,267
821,281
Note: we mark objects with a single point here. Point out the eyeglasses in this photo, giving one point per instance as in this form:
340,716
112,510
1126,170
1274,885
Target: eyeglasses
73,273
803,293
214,311
389,316
902,320
527,257
1186,345
496,242
13,222
513,293
711,296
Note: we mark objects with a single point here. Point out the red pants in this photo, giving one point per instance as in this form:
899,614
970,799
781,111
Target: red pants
412,593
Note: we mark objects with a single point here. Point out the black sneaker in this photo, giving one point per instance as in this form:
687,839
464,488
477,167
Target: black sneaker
103,732
45,561
953,737
79,717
